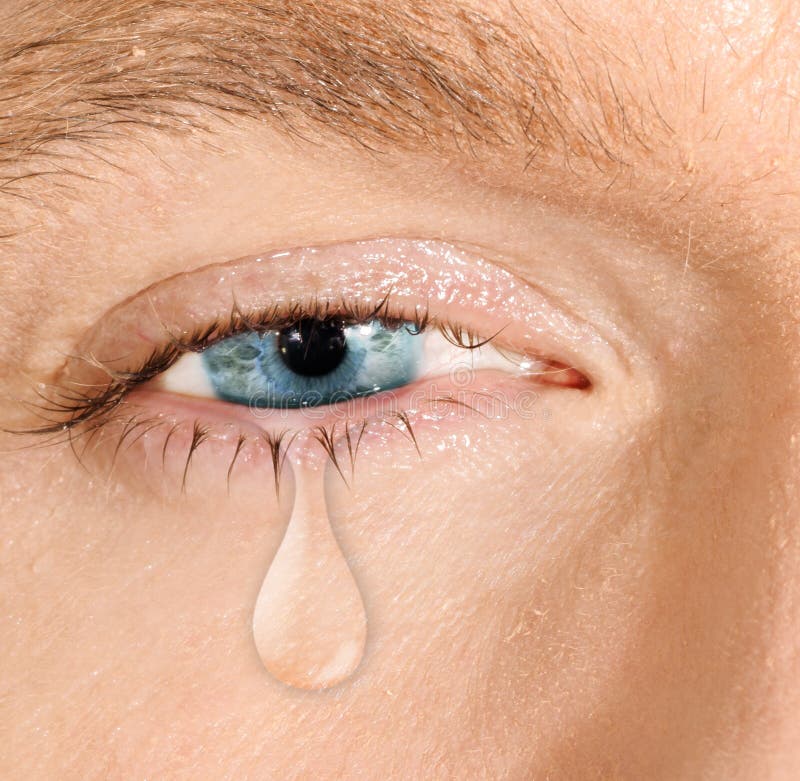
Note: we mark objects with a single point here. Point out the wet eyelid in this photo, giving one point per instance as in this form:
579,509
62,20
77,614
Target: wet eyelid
115,375
432,281
419,276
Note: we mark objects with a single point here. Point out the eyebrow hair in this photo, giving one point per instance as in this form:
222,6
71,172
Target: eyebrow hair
411,75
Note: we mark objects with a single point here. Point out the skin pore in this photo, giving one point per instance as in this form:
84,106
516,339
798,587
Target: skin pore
606,586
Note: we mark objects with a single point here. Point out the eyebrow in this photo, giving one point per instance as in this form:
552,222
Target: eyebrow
409,75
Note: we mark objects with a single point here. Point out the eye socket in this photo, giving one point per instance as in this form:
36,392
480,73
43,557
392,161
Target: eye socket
310,363
136,370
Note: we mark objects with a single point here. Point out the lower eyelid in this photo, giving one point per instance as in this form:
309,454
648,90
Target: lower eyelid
162,437
213,411
171,425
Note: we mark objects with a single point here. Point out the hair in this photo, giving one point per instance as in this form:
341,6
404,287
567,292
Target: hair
405,74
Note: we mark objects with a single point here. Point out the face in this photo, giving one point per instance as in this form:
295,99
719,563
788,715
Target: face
438,421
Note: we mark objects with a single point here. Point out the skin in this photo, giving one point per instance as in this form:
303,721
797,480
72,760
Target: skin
607,589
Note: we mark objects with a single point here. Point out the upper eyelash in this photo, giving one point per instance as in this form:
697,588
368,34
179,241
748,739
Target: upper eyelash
74,407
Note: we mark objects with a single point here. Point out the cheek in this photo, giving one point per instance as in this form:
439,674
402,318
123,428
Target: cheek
508,570
502,570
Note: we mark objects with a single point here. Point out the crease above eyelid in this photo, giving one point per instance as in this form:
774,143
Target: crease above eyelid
413,273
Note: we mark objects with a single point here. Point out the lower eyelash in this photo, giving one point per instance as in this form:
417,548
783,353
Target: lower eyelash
326,436
339,441
278,444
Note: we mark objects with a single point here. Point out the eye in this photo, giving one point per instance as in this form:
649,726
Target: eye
309,363
320,361
411,336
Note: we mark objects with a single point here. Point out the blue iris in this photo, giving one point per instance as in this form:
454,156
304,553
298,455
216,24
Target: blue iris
312,363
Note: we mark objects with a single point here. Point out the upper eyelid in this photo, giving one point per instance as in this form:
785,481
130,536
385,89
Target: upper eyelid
449,282
241,322
103,397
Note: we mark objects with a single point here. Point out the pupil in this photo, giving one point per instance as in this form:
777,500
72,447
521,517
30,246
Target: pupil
313,347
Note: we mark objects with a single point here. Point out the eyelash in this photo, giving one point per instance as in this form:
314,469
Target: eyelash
87,413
